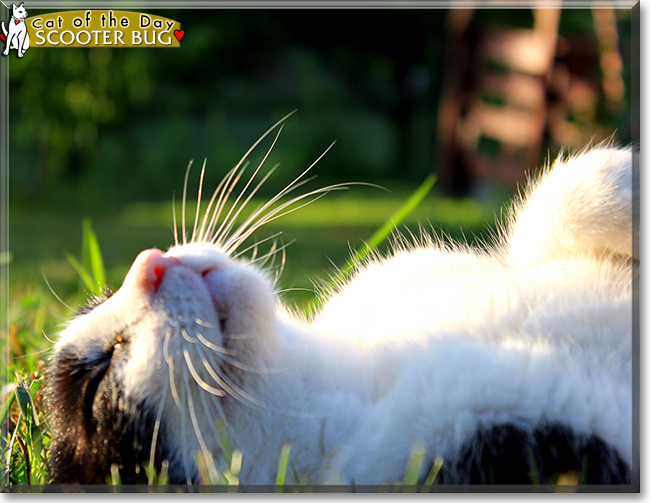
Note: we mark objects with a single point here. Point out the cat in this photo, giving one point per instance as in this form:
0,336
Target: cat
17,35
509,364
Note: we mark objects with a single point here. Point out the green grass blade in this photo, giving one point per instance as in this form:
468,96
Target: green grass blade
380,235
391,224
83,274
414,465
431,478
93,256
116,481
7,407
282,467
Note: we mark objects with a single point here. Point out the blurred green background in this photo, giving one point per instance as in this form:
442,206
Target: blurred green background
107,133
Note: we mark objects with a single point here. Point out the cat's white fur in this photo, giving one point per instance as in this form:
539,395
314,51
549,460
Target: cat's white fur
421,347
17,35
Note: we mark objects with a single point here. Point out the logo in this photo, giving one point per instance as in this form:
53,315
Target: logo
91,28
104,28
15,35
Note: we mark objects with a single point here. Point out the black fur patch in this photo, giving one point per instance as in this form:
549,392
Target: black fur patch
508,454
94,301
93,428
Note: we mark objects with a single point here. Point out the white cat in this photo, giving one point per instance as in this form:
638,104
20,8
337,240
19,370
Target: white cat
17,35
512,364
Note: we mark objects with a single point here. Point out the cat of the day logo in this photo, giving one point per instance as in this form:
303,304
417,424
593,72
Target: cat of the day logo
90,28
15,35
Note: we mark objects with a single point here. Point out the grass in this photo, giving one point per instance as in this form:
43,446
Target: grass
44,250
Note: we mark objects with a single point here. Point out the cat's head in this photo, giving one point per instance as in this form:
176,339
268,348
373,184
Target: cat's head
147,371
19,11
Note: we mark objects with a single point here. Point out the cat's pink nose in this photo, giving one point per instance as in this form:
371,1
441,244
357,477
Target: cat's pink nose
148,270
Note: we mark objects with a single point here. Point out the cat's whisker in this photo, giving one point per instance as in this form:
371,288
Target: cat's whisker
279,212
280,270
213,428
55,295
219,191
228,223
46,337
221,203
204,323
170,365
255,245
257,214
230,388
205,386
243,160
209,460
175,224
261,261
295,289
186,464
297,182
198,202
156,430
184,203
31,354
188,337
214,347
223,231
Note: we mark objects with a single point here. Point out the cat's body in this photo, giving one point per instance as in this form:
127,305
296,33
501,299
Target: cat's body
512,364
17,34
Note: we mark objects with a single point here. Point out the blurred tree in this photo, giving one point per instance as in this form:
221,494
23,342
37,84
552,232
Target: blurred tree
91,126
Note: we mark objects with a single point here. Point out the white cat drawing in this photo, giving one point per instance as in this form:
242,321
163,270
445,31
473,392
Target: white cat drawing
17,36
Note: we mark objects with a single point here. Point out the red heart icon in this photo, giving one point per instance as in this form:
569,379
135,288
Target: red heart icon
16,21
179,34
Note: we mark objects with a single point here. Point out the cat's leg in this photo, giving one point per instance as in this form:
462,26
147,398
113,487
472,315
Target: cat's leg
20,39
581,206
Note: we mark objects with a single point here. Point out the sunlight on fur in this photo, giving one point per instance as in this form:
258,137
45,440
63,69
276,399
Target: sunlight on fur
494,360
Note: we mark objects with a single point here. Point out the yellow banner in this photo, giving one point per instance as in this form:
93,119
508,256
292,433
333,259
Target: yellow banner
103,28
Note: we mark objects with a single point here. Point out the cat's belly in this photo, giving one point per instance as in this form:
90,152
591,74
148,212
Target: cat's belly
431,293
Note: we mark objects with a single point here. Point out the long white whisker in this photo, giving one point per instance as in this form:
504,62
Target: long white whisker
156,429
188,337
213,428
253,192
221,234
170,365
197,377
260,211
217,192
198,201
214,347
31,354
268,255
223,199
55,295
255,245
295,289
274,250
234,241
283,262
188,478
233,390
289,188
187,175
248,152
174,219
